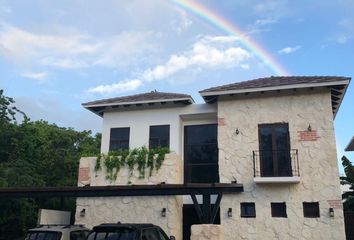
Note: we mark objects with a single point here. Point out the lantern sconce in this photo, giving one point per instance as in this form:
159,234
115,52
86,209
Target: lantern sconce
309,128
331,212
229,212
163,212
237,131
83,212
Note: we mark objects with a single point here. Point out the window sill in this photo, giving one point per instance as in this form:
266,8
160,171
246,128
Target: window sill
293,179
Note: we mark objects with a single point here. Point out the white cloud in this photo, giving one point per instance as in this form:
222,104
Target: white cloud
207,53
288,50
183,22
345,31
261,25
204,54
74,50
38,76
122,86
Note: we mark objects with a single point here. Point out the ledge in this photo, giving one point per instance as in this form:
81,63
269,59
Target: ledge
294,179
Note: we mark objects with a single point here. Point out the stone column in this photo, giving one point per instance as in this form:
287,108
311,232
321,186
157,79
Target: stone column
207,232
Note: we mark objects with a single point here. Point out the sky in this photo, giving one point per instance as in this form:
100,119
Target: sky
55,55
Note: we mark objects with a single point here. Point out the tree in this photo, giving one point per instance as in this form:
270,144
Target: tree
348,179
36,154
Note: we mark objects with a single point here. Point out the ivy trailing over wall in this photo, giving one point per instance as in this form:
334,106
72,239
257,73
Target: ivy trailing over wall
142,157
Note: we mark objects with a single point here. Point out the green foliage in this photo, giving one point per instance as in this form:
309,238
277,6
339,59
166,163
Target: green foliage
141,157
36,154
348,180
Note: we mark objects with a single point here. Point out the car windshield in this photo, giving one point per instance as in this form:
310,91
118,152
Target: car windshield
43,235
112,234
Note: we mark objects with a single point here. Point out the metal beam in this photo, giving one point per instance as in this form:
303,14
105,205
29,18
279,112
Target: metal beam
126,190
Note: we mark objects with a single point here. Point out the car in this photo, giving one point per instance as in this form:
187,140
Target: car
58,232
128,231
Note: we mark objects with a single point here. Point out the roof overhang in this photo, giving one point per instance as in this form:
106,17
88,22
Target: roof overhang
338,89
99,108
350,146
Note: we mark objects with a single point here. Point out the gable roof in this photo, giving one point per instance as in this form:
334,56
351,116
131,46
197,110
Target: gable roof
149,98
337,85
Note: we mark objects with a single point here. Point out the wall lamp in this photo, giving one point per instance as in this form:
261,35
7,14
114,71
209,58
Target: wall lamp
229,212
83,212
163,212
237,131
331,212
309,128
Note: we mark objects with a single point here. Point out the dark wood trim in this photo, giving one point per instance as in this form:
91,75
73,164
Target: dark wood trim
126,190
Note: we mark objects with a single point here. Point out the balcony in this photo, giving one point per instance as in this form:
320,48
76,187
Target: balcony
276,166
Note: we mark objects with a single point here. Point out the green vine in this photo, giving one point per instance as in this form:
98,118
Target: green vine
141,157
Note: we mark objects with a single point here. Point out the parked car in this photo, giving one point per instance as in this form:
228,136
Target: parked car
58,232
134,231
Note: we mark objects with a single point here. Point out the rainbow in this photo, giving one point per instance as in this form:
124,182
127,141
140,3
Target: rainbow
230,28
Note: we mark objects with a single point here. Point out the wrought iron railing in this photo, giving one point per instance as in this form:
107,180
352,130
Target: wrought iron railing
276,163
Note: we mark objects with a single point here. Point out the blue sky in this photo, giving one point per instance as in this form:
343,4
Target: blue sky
55,55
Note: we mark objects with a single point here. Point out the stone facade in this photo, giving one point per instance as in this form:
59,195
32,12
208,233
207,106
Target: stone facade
132,209
319,180
207,232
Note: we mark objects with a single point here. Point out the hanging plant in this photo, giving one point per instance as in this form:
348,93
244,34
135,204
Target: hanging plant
142,157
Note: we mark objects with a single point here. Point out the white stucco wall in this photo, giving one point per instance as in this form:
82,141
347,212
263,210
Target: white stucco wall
319,180
140,121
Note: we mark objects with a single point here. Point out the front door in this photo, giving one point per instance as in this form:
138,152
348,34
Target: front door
201,157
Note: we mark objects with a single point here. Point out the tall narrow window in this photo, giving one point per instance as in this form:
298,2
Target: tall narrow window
119,138
274,150
159,136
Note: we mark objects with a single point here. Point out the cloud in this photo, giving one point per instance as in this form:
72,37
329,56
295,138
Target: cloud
38,76
74,50
122,86
209,52
261,25
345,31
182,23
288,50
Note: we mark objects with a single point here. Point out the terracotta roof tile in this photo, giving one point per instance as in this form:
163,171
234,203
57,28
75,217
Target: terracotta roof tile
274,82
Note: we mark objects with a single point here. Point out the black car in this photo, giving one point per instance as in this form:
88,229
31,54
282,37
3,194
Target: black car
127,231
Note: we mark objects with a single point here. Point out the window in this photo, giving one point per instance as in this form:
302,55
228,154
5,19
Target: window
248,210
274,150
151,234
311,209
159,136
278,209
201,154
119,138
78,235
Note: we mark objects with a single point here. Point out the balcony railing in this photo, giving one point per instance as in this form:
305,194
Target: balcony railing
276,164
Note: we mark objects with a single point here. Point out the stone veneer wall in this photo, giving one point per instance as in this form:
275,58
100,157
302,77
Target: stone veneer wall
319,180
132,209
207,232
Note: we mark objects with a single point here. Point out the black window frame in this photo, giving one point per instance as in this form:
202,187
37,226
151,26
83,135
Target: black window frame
275,150
189,166
311,209
278,209
124,140
167,138
245,212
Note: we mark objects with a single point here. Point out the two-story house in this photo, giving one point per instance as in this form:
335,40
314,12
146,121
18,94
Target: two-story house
274,135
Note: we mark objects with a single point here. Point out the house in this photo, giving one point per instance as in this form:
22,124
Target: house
274,135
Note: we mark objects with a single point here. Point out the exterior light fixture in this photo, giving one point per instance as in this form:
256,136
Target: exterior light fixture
237,131
331,212
229,212
163,212
309,128
83,212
